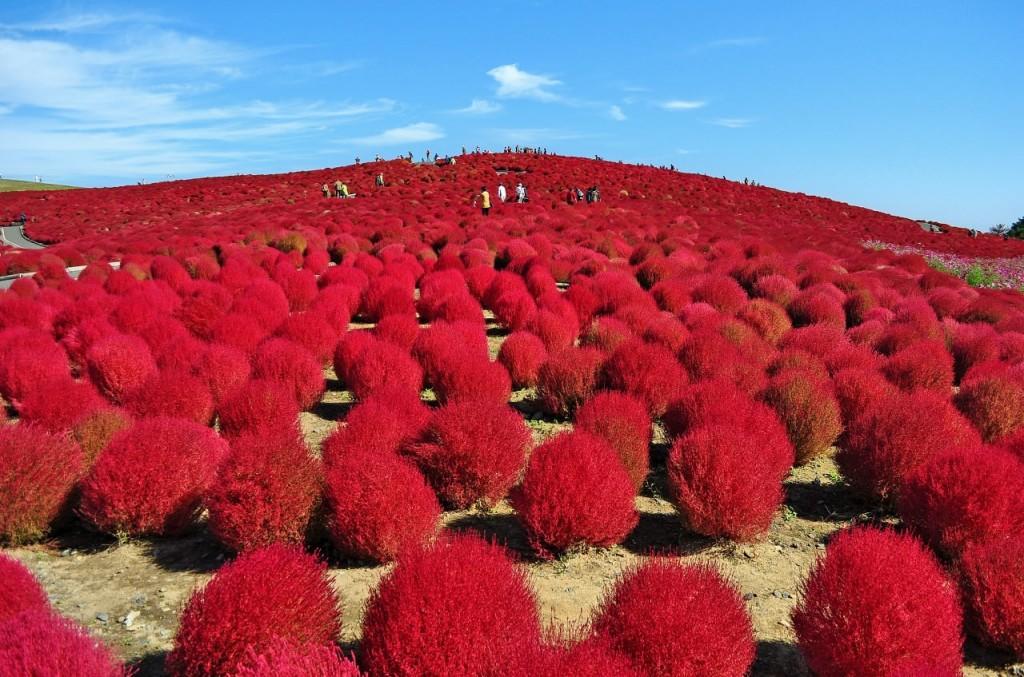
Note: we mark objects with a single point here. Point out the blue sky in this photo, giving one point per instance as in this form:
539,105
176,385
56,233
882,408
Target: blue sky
915,108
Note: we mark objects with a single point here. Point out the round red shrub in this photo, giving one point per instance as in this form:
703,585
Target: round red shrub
312,333
808,409
991,577
152,478
706,403
120,365
522,355
378,505
264,302
994,404
40,642
19,589
606,333
27,360
877,603
283,658
768,319
649,372
677,620
472,451
473,379
569,378
460,607
576,492
95,430
622,421
382,424
965,496
38,471
173,394
292,366
258,405
514,310
443,343
224,370
383,365
816,307
275,593
896,435
265,492
400,330
723,293
923,364
856,389
58,405
591,657
556,331
777,289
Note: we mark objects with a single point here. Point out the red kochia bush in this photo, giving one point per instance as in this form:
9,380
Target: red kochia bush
224,370
622,421
293,366
476,379
923,364
173,394
312,333
706,403
575,492
460,607
19,589
992,583
259,405
472,451
809,411
378,504
401,330
723,293
994,404
522,355
282,658
383,365
568,378
152,478
40,642
856,389
59,404
768,319
382,424
877,603
28,359
968,495
120,365
276,593
265,492
649,372
896,435
38,471
678,621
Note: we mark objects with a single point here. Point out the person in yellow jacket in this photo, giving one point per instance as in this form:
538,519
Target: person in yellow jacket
485,201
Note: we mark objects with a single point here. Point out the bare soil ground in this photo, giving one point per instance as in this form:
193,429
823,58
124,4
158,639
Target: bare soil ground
130,594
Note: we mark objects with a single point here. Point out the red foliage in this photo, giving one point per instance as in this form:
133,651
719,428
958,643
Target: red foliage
877,603
808,409
19,590
568,379
965,496
894,436
768,319
607,334
378,505
472,451
588,658
522,355
224,370
576,492
275,593
283,658
258,405
28,359
677,620
993,403
923,364
173,394
475,379
812,306
152,478
649,372
39,471
120,365
856,389
460,607
382,424
40,642
721,292
443,344
992,583
311,332
58,405
622,421
400,330
292,366
383,365
706,403
265,492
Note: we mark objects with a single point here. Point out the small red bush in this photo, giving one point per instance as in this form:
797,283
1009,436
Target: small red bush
382,424
38,475
283,658
723,293
59,404
378,505
568,379
575,492
460,607
400,330
856,389
443,343
815,307
677,620
556,331
276,593
312,333
622,421
991,577
649,372
152,478
777,289
40,642
293,366
475,379
265,492
877,603
606,333
173,394
224,370
923,364
808,409
19,589
472,451
706,403
994,404
120,365
965,496
522,355
258,405
383,365
768,319
514,310
896,435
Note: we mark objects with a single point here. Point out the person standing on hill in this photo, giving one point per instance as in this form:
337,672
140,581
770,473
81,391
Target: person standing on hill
338,185
485,201
326,190
379,180
502,193
520,192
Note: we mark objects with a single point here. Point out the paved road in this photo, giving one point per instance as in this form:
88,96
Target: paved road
15,237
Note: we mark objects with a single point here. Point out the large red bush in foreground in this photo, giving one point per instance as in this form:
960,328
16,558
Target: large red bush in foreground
42,643
677,620
877,603
992,581
275,593
460,607
622,421
19,589
282,658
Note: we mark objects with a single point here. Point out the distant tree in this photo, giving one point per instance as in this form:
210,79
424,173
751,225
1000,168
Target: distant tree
1017,229
999,229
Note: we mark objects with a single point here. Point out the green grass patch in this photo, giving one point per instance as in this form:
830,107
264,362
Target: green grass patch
10,185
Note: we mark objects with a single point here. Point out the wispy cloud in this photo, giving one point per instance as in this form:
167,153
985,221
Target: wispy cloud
84,22
615,113
479,107
515,83
732,123
414,133
680,104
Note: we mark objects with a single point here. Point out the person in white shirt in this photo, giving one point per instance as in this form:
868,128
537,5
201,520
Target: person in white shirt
520,192
502,193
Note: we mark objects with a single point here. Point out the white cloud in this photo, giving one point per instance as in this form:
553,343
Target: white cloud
414,133
514,83
681,104
616,113
732,123
85,22
479,107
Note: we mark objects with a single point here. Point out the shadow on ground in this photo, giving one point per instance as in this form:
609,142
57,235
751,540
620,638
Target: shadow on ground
194,553
778,659
150,665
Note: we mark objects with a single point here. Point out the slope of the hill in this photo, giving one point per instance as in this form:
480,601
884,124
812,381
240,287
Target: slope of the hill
12,185
187,217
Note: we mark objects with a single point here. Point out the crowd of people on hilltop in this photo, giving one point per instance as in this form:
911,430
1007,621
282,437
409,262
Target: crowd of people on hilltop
483,198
